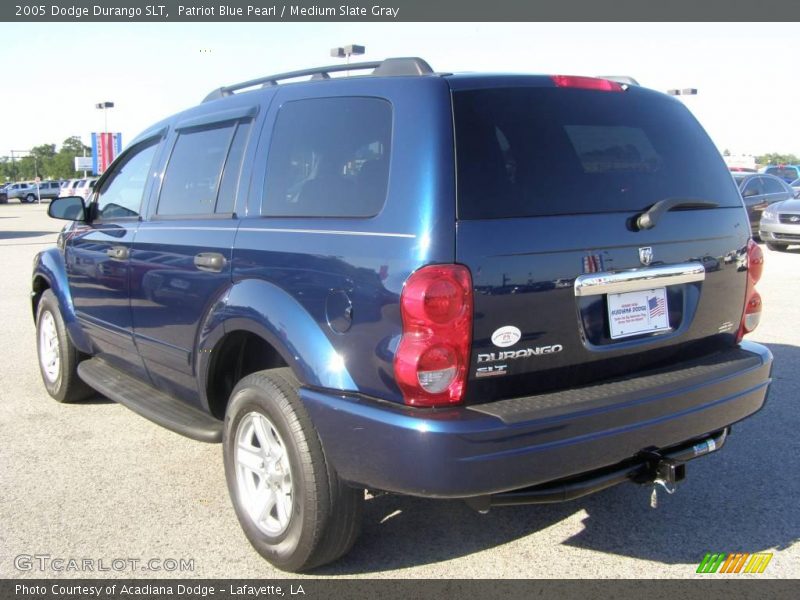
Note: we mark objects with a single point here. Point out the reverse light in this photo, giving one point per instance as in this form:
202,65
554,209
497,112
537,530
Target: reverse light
751,314
586,83
431,361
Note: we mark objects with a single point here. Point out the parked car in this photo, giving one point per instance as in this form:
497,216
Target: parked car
3,194
787,173
759,191
48,189
373,282
84,188
23,191
780,224
70,188
795,185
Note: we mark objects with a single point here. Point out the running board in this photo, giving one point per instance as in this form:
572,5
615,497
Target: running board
149,402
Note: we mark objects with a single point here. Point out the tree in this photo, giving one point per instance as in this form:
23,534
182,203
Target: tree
774,158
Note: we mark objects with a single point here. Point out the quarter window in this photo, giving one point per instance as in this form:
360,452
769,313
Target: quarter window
773,186
329,157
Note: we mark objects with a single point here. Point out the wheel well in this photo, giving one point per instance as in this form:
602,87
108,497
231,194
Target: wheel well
237,355
39,287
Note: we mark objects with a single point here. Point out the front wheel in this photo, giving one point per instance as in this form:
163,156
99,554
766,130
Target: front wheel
58,358
292,506
776,247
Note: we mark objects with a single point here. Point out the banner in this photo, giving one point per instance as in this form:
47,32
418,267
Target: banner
105,148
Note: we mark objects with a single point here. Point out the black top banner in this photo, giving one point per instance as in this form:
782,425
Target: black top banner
400,10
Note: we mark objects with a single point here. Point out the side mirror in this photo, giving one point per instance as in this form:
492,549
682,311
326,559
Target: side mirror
69,208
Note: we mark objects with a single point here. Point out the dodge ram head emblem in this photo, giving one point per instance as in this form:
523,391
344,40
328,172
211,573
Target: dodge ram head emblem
646,255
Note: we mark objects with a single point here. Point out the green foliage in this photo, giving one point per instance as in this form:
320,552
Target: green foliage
774,158
45,162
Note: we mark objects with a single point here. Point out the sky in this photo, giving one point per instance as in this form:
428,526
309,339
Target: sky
748,93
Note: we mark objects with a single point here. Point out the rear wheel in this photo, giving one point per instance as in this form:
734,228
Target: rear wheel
30,198
58,358
291,504
776,247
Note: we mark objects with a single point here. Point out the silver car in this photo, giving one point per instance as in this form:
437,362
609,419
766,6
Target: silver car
780,224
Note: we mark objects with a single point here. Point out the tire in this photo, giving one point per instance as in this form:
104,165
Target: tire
777,247
58,358
30,198
309,517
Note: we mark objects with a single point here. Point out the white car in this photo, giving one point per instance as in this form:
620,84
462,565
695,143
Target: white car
84,188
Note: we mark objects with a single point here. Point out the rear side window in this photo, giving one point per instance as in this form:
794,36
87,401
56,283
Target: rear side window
192,177
329,157
547,151
773,186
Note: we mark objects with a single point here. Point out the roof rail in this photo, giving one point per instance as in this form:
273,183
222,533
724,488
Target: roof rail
391,67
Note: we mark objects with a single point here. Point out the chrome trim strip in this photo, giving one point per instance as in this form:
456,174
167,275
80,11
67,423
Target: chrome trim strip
619,282
329,232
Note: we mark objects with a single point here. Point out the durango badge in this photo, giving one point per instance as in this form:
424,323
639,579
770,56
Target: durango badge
506,336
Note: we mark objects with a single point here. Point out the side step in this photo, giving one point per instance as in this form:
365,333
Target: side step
149,402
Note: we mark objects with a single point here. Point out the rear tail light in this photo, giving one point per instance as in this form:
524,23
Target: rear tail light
431,361
586,83
751,315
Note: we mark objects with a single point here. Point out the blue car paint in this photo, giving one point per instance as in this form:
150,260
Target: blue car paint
284,272
49,266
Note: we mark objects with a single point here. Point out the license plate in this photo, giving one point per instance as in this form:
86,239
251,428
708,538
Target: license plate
634,313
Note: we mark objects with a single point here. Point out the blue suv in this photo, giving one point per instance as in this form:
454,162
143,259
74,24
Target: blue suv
505,289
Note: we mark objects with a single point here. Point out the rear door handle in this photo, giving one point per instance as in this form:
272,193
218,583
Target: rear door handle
213,262
118,252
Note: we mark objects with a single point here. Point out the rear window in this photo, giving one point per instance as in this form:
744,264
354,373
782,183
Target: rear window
547,151
787,173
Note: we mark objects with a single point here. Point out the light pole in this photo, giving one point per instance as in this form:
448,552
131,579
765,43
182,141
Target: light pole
104,106
348,51
683,92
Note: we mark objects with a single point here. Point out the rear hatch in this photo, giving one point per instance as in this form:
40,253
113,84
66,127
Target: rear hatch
568,290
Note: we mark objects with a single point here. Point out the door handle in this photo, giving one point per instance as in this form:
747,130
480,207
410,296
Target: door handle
213,262
118,252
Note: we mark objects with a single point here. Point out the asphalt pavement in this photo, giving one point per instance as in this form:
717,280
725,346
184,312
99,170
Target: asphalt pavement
95,482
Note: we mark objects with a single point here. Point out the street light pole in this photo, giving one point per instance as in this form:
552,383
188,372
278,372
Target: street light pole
104,106
347,51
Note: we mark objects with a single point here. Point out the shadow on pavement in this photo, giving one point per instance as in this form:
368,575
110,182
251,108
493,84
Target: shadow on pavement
743,498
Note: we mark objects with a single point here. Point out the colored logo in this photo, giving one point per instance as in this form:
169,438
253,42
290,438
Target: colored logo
657,306
506,336
739,562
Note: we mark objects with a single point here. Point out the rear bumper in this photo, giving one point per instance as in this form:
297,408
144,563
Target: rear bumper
513,444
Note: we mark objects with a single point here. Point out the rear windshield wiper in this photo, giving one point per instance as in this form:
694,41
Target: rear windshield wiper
649,218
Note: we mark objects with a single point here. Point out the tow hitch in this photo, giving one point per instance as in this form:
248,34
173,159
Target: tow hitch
663,468
661,472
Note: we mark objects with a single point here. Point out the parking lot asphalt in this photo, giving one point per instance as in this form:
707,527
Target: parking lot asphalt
95,481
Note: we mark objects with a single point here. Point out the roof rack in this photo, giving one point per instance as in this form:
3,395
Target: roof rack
390,67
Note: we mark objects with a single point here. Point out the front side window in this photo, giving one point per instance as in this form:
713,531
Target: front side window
193,172
122,191
753,187
329,157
